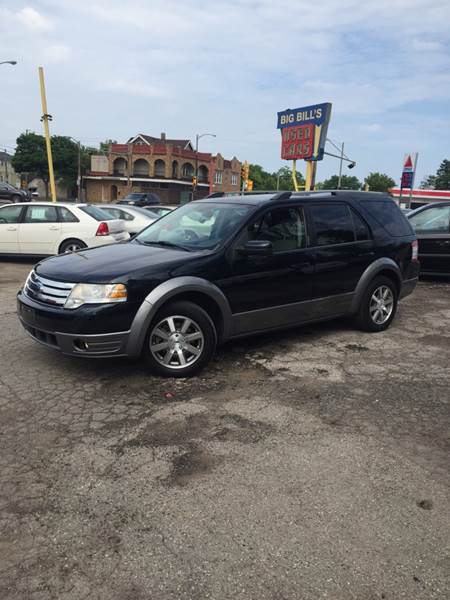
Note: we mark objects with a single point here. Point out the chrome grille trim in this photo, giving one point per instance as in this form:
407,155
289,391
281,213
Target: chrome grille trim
46,290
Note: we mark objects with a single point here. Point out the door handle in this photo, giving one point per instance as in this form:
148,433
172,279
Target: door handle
54,227
11,229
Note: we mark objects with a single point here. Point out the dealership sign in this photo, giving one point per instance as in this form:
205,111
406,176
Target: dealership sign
304,131
409,171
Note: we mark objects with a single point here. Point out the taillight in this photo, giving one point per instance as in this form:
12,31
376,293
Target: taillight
415,250
102,229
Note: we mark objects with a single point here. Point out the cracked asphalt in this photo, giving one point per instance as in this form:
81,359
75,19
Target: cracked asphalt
300,465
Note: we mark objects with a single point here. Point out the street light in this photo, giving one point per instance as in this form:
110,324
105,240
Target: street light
341,157
78,143
197,137
8,62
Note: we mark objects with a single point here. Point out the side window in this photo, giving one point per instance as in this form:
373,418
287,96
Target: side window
10,214
388,214
284,227
432,220
126,216
41,214
333,224
361,230
67,216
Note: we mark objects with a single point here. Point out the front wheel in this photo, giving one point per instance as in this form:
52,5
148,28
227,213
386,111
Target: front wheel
378,305
180,341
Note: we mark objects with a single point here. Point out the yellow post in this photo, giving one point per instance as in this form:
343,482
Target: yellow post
45,118
311,166
294,175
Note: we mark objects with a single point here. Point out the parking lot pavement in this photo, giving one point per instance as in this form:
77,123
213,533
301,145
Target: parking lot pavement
302,465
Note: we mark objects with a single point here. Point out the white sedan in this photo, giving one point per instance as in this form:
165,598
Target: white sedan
46,228
136,218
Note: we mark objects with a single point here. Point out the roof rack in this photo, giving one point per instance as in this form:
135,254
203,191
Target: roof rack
282,196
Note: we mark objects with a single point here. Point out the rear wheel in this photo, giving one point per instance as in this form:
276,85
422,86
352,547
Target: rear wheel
378,305
71,246
180,341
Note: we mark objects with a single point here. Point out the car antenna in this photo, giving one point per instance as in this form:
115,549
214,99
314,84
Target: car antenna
282,196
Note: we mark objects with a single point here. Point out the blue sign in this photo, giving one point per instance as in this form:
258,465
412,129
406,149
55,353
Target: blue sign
304,131
317,114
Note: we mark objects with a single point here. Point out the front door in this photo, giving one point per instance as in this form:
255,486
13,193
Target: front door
343,249
40,230
271,291
432,226
9,228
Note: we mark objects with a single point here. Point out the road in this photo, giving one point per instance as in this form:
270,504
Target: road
302,465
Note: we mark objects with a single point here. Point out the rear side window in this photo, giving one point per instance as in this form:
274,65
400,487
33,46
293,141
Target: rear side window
41,214
96,213
388,214
361,229
67,216
333,224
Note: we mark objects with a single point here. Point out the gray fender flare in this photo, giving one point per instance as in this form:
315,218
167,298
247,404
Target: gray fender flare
164,292
382,264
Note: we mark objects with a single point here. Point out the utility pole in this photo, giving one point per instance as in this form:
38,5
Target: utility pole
195,178
6,167
46,118
340,166
79,188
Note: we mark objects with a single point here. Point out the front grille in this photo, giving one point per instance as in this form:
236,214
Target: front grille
49,339
47,291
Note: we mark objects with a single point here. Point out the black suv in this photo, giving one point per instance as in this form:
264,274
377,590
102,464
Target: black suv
221,268
141,199
9,192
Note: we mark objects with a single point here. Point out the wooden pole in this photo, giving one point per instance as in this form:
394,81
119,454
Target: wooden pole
45,119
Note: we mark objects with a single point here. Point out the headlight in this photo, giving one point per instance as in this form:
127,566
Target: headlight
88,293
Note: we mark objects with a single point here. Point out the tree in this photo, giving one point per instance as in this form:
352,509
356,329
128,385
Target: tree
262,180
442,181
31,157
348,182
429,183
284,177
104,146
379,182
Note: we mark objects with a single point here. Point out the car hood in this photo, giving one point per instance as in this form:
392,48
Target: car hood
113,262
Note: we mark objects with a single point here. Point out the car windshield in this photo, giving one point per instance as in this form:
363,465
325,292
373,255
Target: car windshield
134,196
195,226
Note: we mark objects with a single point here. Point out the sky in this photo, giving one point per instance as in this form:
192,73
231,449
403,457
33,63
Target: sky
117,68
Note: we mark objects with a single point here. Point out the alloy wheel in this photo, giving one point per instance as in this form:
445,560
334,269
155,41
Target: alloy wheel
176,342
381,304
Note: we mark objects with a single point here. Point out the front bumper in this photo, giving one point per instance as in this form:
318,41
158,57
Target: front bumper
38,323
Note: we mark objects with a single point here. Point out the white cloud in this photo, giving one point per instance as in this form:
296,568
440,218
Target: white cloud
132,88
426,45
371,127
33,20
57,53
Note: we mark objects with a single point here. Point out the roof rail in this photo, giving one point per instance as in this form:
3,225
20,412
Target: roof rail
282,196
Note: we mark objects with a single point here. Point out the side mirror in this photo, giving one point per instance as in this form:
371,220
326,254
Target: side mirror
257,248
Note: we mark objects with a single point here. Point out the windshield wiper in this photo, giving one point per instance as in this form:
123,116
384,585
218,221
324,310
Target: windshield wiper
167,244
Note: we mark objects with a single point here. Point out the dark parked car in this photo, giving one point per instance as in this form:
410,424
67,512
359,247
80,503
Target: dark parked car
140,199
223,268
9,192
432,226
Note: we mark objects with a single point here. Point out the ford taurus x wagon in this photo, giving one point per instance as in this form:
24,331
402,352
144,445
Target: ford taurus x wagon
221,268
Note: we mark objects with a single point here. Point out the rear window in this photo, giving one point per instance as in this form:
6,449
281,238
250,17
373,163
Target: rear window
96,213
388,214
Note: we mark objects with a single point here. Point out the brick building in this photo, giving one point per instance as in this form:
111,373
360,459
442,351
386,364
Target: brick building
160,165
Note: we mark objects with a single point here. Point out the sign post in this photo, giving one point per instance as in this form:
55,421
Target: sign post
303,136
408,174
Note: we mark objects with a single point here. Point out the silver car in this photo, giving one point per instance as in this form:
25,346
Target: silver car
136,218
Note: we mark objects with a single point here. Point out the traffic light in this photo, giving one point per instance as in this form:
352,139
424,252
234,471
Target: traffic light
249,185
194,181
244,171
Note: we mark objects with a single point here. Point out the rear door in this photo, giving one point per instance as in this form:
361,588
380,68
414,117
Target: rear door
40,230
343,249
432,226
9,228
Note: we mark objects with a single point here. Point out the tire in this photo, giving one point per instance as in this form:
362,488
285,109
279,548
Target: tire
378,305
71,245
167,346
